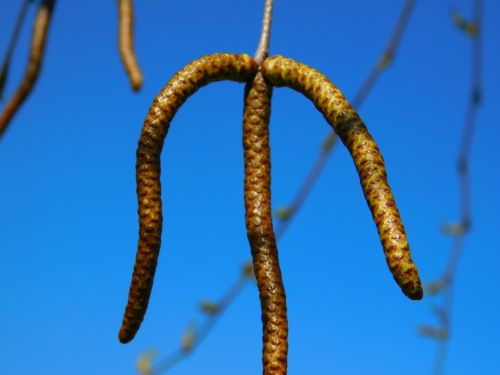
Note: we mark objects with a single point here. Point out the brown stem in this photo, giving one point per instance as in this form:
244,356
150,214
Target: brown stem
263,48
367,158
126,43
260,228
186,82
38,40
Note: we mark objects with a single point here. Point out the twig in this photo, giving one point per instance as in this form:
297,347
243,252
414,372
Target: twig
12,45
464,224
263,48
177,356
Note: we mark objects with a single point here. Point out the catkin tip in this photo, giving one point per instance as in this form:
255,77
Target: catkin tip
415,294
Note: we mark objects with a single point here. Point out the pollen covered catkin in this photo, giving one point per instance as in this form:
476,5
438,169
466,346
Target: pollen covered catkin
126,43
258,218
186,82
38,40
281,71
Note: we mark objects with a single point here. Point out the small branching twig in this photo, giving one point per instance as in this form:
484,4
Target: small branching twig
39,38
126,43
445,284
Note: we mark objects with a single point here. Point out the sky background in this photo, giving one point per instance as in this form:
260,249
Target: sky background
68,209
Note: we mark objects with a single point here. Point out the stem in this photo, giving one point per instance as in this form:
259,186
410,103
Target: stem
263,48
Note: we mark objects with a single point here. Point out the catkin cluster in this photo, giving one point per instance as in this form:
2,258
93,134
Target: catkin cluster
274,71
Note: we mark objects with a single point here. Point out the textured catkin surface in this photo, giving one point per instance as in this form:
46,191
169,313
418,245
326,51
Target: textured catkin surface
369,163
189,79
126,43
38,40
259,225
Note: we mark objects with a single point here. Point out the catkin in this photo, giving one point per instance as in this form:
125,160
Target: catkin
38,40
126,43
195,75
367,158
259,225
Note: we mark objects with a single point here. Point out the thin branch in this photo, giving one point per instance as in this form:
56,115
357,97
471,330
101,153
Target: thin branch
177,356
464,185
12,45
263,48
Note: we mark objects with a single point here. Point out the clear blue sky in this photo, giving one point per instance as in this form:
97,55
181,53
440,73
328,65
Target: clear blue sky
68,222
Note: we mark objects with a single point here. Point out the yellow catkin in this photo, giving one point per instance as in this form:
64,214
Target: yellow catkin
259,225
186,82
38,40
281,71
126,43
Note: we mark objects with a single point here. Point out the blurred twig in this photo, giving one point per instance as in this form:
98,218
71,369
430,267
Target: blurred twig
284,215
12,45
460,230
194,335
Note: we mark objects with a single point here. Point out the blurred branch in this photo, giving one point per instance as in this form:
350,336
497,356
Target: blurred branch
285,215
460,230
12,45
199,334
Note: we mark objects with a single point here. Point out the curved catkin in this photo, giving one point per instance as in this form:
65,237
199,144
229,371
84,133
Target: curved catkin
369,163
259,225
200,72
126,43
38,40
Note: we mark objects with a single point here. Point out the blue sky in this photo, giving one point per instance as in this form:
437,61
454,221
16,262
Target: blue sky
68,222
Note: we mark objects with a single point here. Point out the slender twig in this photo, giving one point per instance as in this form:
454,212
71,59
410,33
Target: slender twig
38,41
263,48
463,159
177,356
12,45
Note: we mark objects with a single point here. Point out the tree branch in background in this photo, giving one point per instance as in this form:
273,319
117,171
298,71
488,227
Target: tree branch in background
38,41
445,285
12,45
126,43
195,334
